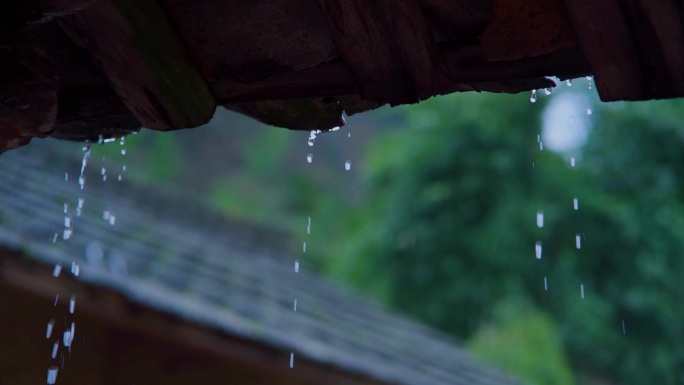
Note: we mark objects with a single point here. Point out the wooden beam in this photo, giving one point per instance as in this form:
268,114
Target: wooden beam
389,48
465,64
28,93
136,48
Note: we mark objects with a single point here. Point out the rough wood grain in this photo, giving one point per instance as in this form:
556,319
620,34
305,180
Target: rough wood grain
541,27
608,44
136,49
28,93
460,19
388,47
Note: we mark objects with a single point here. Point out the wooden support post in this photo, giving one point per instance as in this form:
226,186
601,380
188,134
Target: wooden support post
136,48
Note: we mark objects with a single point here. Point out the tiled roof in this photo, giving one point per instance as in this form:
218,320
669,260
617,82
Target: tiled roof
174,255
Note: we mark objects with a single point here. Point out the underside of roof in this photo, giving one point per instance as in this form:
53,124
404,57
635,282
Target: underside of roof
78,69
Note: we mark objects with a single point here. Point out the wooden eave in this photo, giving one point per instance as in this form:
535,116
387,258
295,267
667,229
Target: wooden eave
78,69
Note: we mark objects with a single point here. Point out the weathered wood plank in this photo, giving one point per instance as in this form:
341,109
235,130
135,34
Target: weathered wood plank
28,94
657,30
523,28
461,19
608,44
388,47
466,67
135,47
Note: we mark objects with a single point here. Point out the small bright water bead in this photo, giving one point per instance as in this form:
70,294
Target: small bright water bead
578,241
541,146
540,218
572,161
72,304
291,360
57,270
294,307
546,284
575,203
308,226
347,165
112,219
309,158
589,111
533,96
50,326
123,151
538,249
304,247
55,347
547,91
52,375
582,291
296,266
67,338
568,82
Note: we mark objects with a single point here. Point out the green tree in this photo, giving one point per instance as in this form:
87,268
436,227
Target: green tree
449,232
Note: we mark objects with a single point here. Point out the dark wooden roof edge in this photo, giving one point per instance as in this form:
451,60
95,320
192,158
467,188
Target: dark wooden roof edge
152,62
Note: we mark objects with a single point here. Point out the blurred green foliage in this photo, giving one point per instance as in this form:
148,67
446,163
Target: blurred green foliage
437,219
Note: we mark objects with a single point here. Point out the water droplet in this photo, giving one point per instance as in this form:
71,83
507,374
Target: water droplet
547,91
309,158
75,269
538,249
575,203
624,329
296,266
589,111
347,165
291,360
538,138
582,291
578,241
55,347
109,140
122,141
66,176
54,237
568,82
572,161
541,146
304,247
312,137
72,304
119,178
540,218
308,226
106,214
52,375
546,284
56,299
67,234
67,222
123,151
533,96
57,270
50,326
123,168
66,208
84,163
79,207
112,219
66,339
294,307
103,171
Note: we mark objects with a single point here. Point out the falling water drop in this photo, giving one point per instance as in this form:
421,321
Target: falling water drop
308,226
79,207
540,219
304,247
572,161
533,96
84,162
624,329
52,375
56,299
123,151
309,158
347,165
55,347
294,307
546,284
568,82
296,266
538,249
291,360
75,269
66,176
50,326
112,219
541,146
582,291
67,338
547,91
578,241
575,203
589,111
72,304
57,270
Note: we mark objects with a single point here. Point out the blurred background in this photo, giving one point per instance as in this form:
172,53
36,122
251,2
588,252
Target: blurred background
441,211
